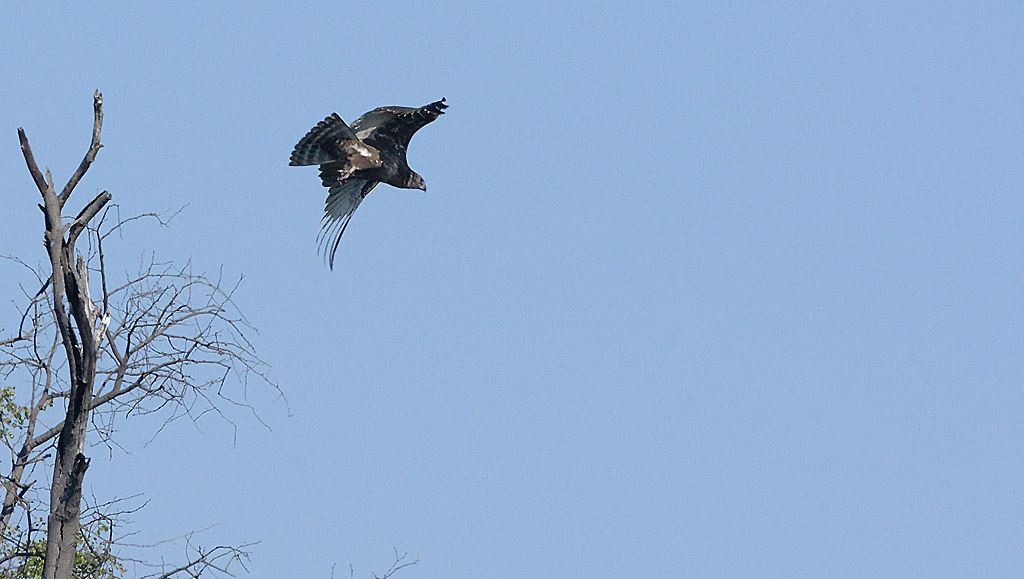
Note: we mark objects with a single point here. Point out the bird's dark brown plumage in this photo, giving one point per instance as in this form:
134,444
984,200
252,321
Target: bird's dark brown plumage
354,159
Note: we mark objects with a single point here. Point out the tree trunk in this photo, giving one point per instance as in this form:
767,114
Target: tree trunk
81,339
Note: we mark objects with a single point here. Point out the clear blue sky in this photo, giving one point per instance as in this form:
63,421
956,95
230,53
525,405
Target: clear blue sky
696,290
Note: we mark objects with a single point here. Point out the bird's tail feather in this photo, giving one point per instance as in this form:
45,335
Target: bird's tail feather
311,149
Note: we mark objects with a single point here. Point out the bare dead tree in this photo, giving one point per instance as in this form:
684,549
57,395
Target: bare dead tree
81,333
164,339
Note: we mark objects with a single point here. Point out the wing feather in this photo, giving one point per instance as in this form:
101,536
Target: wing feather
320,143
393,127
342,200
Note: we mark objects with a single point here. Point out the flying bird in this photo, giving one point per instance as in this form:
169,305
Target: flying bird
354,159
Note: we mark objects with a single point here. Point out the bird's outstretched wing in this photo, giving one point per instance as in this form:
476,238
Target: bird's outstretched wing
342,199
393,127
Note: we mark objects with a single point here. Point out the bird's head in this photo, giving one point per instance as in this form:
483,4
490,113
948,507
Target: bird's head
416,182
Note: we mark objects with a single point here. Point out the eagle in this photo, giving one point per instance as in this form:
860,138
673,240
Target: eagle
354,159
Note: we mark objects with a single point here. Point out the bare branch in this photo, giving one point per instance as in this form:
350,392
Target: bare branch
94,147
217,560
164,221
30,160
87,213
17,338
397,566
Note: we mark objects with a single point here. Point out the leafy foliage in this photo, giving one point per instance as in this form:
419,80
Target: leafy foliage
12,414
93,559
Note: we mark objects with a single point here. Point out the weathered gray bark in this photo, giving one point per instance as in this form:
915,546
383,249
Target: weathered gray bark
81,333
